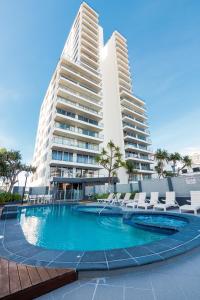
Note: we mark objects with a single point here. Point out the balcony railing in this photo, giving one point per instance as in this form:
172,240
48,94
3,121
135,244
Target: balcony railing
127,134
138,146
132,155
134,119
78,130
99,113
100,103
77,144
136,127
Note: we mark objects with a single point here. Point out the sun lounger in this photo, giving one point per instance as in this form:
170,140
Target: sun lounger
138,198
153,201
170,201
194,203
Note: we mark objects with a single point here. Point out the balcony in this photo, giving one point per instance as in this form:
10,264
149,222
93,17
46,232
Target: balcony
90,20
74,145
124,77
70,94
89,39
89,60
77,67
128,126
129,97
91,50
137,147
122,63
75,132
129,136
123,57
138,157
90,26
90,12
79,87
76,76
136,121
124,70
122,51
79,108
132,111
74,121
90,33
75,163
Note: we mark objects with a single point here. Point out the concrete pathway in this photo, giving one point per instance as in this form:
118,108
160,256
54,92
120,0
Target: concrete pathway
174,279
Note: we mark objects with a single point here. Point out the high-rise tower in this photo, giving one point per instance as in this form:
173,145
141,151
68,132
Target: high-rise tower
91,84
124,115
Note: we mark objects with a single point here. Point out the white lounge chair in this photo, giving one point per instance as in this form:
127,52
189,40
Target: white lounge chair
170,201
194,203
110,196
116,198
109,199
139,197
153,201
125,200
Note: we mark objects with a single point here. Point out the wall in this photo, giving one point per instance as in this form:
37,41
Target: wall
183,185
155,185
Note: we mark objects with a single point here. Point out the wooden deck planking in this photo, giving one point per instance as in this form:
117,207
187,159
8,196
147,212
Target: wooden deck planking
14,277
24,276
4,278
23,282
43,274
34,275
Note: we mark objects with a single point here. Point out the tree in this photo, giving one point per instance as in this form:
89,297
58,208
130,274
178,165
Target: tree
186,161
11,166
131,169
174,158
110,159
162,157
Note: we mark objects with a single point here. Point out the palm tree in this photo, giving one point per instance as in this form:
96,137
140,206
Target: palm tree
110,159
186,161
174,158
131,169
162,157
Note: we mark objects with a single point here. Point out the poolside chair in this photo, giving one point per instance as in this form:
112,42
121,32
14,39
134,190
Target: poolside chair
194,203
109,199
125,200
153,201
116,198
170,201
139,197
32,199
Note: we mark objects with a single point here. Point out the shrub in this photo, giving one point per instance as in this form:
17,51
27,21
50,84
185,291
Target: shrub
133,194
99,196
9,197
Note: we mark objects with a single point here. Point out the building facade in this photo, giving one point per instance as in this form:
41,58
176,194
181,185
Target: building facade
89,101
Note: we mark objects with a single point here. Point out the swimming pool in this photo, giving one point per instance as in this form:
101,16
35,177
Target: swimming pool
59,227
159,220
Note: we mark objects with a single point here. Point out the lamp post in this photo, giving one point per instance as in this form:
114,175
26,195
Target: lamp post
26,177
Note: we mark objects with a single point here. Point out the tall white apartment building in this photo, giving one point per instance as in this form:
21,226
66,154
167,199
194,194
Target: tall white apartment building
89,101
124,115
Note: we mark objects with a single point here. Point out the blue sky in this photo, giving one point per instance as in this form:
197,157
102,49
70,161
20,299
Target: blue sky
164,51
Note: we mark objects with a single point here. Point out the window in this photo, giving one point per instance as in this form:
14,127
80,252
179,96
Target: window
84,119
60,155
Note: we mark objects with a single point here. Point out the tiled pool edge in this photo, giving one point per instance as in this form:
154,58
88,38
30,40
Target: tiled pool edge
15,247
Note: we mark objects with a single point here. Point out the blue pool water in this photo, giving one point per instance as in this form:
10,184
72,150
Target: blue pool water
60,227
161,220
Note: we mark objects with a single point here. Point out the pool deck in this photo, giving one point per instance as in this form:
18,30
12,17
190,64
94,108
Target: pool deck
15,247
174,279
167,278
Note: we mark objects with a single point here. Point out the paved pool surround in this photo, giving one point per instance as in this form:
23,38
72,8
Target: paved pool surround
14,246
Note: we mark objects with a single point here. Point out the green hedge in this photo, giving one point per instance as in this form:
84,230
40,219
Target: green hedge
8,197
